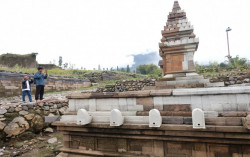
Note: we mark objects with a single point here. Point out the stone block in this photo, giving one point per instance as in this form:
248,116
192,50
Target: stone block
131,101
158,103
81,104
72,106
177,107
147,103
51,119
242,107
107,104
242,99
136,119
92,105
170,100
233,114
172,120
211,114
135,108
187,120
206,105
216,107
164,92
123,104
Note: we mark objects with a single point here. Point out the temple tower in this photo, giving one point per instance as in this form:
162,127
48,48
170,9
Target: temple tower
178,43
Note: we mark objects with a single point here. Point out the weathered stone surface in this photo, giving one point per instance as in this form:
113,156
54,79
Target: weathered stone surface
246,122
2,110
29,116
23,113
37,123
49,130
52,140
2,125
163,92
16,127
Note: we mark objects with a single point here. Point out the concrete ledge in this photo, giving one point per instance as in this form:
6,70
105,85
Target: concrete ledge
212,91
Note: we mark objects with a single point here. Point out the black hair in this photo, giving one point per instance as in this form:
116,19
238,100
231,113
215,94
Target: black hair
40,67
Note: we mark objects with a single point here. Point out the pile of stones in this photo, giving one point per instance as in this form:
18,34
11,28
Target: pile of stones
17,118
107,76
231,80
127,85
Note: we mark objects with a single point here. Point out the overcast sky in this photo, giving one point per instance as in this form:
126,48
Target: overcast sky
108,32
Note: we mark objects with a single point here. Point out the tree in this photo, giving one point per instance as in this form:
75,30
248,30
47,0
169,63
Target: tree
117,68
149,69
60,61
123,70
99,67
128,69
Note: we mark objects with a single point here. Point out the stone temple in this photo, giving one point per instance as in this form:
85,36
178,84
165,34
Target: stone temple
184,115
178,43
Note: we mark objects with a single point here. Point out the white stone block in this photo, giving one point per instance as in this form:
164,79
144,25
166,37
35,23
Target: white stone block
123,104
216,107
206,105
83,117
158,103
242,107
185,100
92,105
131,101
72,106
185,65
136,119
81,104
101,119
135,108
68,118
215,99
106,104
155,119
195,99
116,118
170,100
198,119
242,98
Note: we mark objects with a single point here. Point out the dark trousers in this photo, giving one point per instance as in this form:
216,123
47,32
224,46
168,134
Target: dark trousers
39,92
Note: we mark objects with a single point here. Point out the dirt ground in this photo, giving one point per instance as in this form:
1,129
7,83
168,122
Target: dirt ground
32,145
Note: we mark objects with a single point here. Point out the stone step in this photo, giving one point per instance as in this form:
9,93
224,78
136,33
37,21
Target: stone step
221,121
190,78
184,82
104,113
215,84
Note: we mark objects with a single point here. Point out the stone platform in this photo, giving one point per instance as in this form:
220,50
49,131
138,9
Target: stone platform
226,132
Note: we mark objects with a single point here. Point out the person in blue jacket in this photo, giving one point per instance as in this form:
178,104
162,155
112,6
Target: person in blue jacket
39,80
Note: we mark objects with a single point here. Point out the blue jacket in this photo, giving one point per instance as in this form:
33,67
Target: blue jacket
39,78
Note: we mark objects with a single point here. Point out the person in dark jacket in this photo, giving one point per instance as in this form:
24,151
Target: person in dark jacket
26,88
39,79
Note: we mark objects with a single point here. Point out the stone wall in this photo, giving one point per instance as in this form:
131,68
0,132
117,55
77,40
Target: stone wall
11,60
128,85
16,118
232,80
10,84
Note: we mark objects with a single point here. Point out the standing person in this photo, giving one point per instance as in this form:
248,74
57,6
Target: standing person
26,88
39,79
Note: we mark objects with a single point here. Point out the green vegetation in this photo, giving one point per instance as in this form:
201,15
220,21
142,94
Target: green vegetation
10,60
150,69
222,69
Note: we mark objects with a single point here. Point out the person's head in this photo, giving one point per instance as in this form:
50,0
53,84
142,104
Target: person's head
40,69
26,77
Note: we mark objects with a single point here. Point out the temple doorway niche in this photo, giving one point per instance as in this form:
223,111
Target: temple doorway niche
174,62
